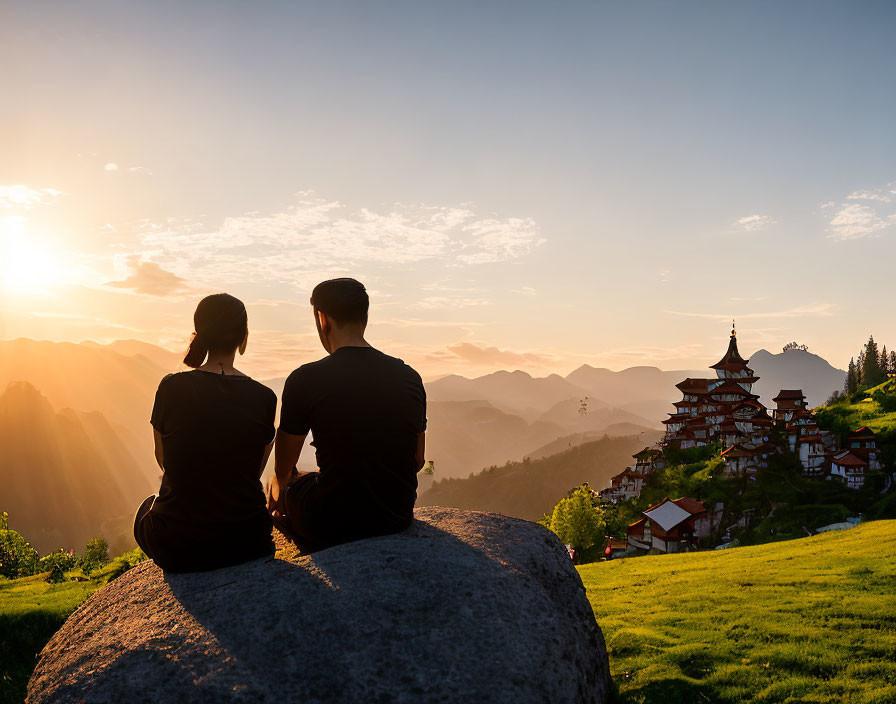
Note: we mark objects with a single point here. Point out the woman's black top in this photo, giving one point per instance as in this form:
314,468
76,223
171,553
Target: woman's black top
211,508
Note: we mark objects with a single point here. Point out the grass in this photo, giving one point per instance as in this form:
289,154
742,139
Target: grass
31,611
845,416
809,620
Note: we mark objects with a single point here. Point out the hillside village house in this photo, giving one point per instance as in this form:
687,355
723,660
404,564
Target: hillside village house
787,402
670,526
629,483
648,460
863,443
849,468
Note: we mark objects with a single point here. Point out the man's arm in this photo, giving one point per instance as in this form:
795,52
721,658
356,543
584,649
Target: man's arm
287,449
421,451
157,443
264,459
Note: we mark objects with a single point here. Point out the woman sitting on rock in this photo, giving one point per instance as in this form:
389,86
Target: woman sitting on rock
213,428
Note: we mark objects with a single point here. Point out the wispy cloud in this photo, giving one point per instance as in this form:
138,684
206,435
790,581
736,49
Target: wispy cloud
869,195
317,236
865,218
754,222
485,356
813,310
449,302
149,278
856,220
110,166
21,196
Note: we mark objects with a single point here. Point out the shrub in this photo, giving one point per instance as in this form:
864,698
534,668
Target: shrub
17,557
96,554
576,521
64,560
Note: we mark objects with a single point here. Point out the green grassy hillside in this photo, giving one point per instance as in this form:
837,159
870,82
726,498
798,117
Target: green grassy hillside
31,611
809,620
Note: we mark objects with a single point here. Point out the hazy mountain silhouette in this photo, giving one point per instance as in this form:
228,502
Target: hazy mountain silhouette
532,488
567,442
90,377
631,386
796,369
515,392
65,476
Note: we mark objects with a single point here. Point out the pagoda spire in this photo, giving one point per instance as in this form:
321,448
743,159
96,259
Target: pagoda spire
732,359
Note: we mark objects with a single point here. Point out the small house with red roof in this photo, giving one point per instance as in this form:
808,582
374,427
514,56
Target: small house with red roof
863,443
669,526
849,468
649,460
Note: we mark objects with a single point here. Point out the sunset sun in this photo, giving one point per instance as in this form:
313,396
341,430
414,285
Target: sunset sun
26,262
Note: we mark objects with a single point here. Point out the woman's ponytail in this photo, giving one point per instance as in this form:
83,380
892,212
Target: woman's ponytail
220,324
196,352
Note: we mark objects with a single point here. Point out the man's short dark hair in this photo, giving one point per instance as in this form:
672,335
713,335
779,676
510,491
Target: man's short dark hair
343,300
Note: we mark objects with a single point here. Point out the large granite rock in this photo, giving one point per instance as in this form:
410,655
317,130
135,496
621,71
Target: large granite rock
461,607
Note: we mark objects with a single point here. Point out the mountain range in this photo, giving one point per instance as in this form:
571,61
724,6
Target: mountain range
531,488
106,392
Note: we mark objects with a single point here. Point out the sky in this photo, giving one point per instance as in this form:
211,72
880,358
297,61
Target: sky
519,185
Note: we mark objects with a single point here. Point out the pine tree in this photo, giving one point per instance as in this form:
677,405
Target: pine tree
860,366
892,364
872,374
884,360
851,384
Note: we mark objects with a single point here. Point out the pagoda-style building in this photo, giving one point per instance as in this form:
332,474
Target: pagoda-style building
788,402
723,409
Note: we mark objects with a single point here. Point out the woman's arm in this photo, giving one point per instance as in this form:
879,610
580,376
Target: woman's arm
160,455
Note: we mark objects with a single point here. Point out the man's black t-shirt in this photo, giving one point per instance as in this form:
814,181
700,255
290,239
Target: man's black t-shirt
214,431
365,410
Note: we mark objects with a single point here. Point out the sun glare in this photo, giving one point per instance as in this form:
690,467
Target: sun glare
26,264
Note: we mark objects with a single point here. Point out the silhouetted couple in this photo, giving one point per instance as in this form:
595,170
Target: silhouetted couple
214,429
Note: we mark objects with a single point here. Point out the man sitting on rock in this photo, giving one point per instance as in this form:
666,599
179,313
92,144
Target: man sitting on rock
367,414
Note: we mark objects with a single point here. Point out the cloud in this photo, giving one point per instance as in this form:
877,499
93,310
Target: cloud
754,222
525,291
149,278
448,302
139,170
497,240
110,166
318,237
869,195
479,355
824,310
21,196
858,220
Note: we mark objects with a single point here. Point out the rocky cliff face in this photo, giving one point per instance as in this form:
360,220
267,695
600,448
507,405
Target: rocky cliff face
461,607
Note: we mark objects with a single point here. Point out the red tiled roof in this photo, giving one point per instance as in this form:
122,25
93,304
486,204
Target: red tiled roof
862,432
789,394
739,450
694,386
732,387
850,460
690,505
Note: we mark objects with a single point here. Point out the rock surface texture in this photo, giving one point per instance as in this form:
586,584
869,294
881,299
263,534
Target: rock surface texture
461,607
